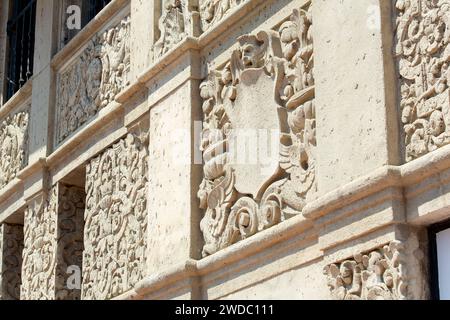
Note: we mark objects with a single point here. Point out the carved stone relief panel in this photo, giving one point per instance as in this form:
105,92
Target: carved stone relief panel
53,233
381,274
93,80
173,25
212,11
423,50
267,90
11,246
116,219
71,206
13,146
39,253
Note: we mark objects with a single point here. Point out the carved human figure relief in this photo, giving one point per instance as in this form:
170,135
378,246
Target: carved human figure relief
173,25
39,253
423,50
11,246
93,80
212,11
381,274
115,234
13,146
267,90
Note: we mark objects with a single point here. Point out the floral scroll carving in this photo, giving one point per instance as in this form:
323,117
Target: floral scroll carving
39,253
13,146
11,246
71,205
212,11
423,50
285,57
381,274
173,25
116,219
94,79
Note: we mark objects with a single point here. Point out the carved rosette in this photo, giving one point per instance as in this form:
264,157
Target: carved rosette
283,58
39,253
13,146
423,37
94,79
173,25
212,11
381,274
116,219
11,246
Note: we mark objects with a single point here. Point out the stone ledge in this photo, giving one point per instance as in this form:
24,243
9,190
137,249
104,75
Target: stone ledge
17,100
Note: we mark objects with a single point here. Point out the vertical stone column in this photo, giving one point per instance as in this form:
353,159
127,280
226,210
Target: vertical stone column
41,128
53,230
357,120
4,9
11,246
115,233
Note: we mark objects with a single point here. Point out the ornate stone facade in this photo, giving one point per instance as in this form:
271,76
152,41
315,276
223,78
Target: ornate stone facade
13,146
40,248
383,274
11,246
93,80
115,233
173,25
423,49
284,59
212,11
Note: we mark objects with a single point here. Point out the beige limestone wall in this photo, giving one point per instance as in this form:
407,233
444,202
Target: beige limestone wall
342,201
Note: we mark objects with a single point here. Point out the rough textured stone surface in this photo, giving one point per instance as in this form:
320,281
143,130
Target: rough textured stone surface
227,149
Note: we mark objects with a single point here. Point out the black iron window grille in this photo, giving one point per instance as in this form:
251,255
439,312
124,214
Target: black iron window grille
21,34
89,9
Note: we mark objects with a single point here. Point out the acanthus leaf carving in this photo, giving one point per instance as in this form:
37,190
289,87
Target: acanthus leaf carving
11,246
94,79
13,146
40,245
115,219
381,274
173,25
423,50
283,58
213,11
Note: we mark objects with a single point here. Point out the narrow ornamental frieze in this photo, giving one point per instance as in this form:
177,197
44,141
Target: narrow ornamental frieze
13,146
93,80
266,93
423,38
213,11
115,233
381,274
11,247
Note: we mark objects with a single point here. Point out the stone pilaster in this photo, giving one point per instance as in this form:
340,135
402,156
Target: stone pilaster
11,246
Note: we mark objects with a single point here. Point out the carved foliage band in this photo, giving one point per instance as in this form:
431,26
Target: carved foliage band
94,79
381,274
11,246
284,59
13,146
423,38
115,219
